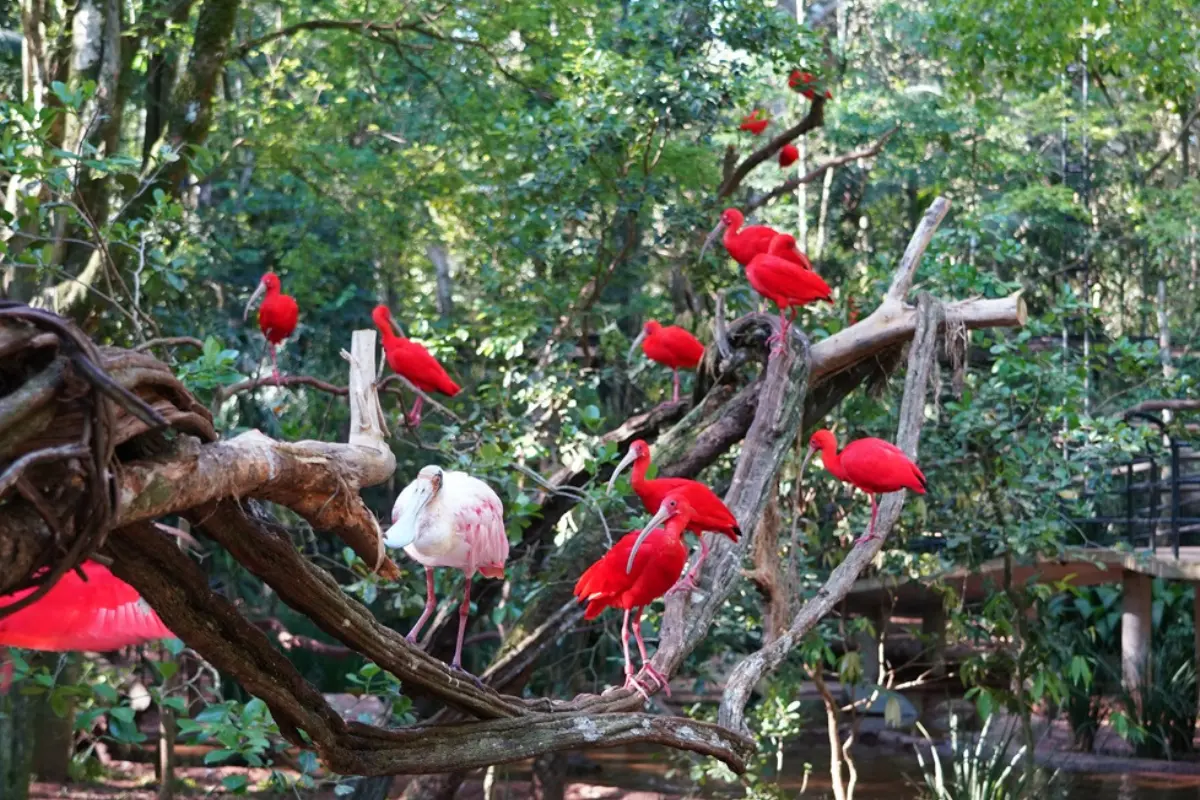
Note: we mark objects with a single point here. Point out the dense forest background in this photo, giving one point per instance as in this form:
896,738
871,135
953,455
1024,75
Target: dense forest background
525,184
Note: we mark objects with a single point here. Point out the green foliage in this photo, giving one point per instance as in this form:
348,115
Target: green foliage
982,771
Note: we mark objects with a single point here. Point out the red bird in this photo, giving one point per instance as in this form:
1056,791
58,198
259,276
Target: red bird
413,361
637,570
708,512
788,154
277,317
671,346
798,79
871,464
754,123
746,243
784,283
99,614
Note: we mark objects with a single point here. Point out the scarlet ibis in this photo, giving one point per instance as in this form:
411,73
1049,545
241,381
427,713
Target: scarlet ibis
784,283
754,123
799,79
449,519
671,346
637,570
277,316
101,613
745,243
411,360
871,464
708,513
788,154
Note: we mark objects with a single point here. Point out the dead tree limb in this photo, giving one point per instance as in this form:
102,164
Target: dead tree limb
912,415
789,186
813,119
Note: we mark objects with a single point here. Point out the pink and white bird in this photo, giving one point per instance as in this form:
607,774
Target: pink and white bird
449,519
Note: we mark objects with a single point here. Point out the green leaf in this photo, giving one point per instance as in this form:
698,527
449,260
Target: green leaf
236,783
217,756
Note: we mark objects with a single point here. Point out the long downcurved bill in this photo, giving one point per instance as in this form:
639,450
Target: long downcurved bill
654,522
641,337
629,458
396,325
812,451
712,237
262,287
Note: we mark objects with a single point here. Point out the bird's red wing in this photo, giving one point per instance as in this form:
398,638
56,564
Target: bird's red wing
104,613
278,317
605,580
659,564
783,246
879,466
685,349
776,278
420,367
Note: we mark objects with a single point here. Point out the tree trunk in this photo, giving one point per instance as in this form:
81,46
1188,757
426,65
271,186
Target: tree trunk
16,718
55,735
376,788
442,268
550,777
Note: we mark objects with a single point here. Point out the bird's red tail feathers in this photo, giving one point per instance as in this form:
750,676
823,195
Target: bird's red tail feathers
447,386
590,587
920,476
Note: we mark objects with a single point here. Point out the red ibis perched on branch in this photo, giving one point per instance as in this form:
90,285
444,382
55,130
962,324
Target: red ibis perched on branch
671,346
640,568
756,122
277,316
784,283
871,464
706,511
788,154
745,243
449,519
411,360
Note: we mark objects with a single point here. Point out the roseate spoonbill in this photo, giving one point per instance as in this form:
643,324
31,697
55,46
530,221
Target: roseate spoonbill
637,570
784,283
413,361
277,316
449,519
101,613
707,513
871,464
754,123
745,243
671,346
788,154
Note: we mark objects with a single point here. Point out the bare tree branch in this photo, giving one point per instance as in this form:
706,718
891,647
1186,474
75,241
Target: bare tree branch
789,186
813,119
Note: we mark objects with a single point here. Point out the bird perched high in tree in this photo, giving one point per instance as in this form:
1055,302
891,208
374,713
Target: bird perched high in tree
277,317
744,243
671,346
414,362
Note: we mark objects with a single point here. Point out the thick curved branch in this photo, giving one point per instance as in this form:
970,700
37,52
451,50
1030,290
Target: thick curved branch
813,119
364,26
789,186
284,380
912,415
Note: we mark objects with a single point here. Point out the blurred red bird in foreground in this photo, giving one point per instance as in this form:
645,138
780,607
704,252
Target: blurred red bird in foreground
671,346
788,154
707,513
784,283
277,316
743,244
639,569
99,614
871,464
754,123
413,361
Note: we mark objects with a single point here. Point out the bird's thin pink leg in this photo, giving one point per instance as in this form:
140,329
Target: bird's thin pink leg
463,611
646,665
688,582
430,604
414,416
630,678
871,530
779,340
274,364
675,395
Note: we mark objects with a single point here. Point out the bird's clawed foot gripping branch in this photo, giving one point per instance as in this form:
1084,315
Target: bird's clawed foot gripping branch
111,433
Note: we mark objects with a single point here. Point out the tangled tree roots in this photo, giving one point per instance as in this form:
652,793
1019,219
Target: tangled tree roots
98,443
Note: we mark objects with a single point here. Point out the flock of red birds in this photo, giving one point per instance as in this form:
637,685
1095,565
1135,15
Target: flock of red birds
102,612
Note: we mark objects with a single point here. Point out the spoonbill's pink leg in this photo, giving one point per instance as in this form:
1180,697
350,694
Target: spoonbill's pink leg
463,611
430,604
637,632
